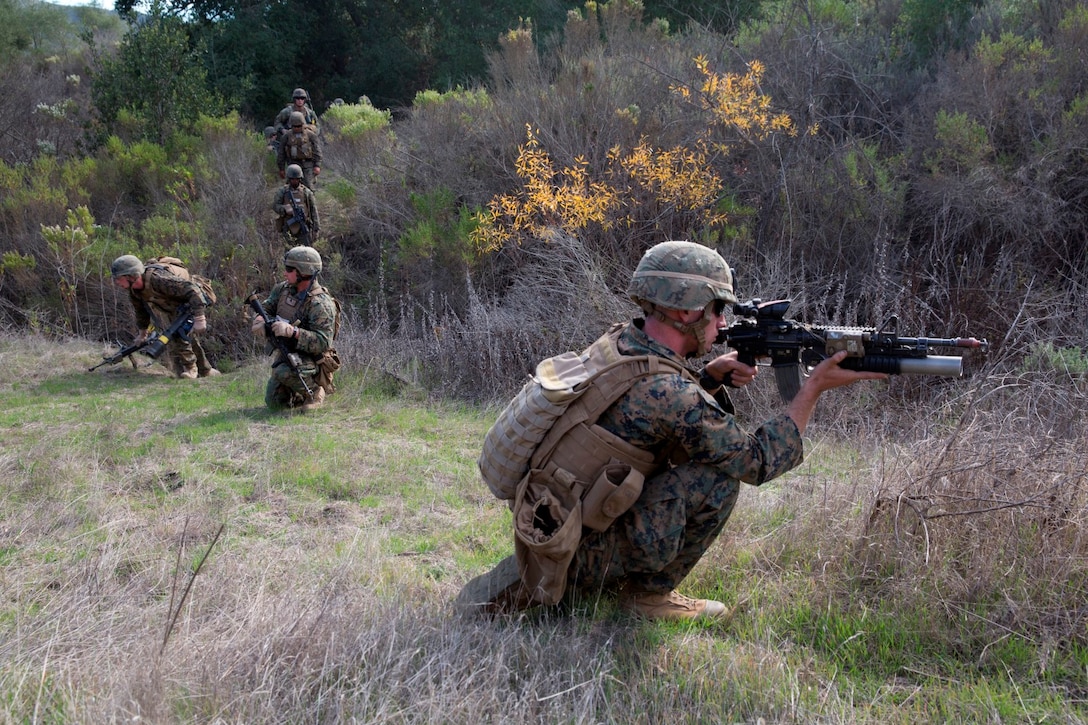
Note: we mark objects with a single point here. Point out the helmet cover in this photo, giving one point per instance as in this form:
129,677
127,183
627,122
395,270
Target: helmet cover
306,260
127,265
681,276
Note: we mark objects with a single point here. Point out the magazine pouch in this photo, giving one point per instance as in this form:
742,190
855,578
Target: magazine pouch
615,490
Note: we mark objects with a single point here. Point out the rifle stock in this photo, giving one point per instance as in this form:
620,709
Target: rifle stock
290,357
763,334
156,342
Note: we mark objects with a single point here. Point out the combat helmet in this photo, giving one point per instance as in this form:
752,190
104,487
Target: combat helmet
127,265
297,119
306,260
681,276
293,171
299,93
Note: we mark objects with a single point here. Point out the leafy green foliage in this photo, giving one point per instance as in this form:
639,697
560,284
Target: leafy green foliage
441,232
354,120
33,28
927,27
1050,358
156,84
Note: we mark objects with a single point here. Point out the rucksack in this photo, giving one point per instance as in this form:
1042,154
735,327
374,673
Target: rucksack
176,267
526,434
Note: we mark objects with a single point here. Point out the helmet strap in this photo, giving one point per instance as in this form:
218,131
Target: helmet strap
694,329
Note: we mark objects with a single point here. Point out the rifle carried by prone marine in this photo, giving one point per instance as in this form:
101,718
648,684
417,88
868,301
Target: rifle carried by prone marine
763,334
290,356
154,343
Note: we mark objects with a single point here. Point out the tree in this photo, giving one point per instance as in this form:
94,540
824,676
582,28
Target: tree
156,83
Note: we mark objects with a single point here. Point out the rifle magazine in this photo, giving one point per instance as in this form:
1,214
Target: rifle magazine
789,379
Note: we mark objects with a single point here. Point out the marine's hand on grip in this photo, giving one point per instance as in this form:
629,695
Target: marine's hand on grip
283,328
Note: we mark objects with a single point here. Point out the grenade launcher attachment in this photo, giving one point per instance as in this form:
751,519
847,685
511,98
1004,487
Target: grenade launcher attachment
762,334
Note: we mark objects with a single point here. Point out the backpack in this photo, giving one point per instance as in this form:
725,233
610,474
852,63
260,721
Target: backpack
525,434
559,469
176,267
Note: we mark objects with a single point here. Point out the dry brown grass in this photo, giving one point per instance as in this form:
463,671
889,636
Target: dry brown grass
347,534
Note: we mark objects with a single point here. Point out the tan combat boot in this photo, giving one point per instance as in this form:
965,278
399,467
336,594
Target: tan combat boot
318,399
188,373
673,606
209,373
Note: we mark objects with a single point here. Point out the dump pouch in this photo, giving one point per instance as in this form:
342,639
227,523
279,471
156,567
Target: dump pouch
547,530
327,364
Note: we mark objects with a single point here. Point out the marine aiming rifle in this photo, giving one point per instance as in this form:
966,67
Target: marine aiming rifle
761,333
290,356
154,343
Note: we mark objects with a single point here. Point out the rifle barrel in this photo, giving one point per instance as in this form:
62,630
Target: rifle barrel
968,342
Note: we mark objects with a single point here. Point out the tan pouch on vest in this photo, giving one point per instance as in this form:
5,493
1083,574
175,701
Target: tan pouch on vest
327,365
616,489
588,447
547,531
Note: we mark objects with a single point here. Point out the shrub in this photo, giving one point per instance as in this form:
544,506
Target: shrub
354,120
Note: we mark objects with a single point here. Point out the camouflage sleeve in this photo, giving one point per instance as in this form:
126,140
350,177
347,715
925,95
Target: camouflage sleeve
282,118
316,141
316,330
181,291
311,203
143,317
273,300
670,410
281,155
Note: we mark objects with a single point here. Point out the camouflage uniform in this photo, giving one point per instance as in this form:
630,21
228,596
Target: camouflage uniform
283,119
314,312
304,197
302,148
675,427
682,509
158,302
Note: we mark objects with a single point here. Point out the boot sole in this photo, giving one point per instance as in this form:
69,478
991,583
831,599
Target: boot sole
499,591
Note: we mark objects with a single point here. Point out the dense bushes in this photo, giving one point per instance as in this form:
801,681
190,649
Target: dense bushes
856,179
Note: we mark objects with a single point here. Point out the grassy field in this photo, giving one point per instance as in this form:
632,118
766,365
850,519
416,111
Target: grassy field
172,552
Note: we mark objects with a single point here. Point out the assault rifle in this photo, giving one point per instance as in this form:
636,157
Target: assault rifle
154,343
763,334
299,216
289,355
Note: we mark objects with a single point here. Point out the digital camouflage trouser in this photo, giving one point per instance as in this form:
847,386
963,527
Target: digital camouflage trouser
284,390
657,543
